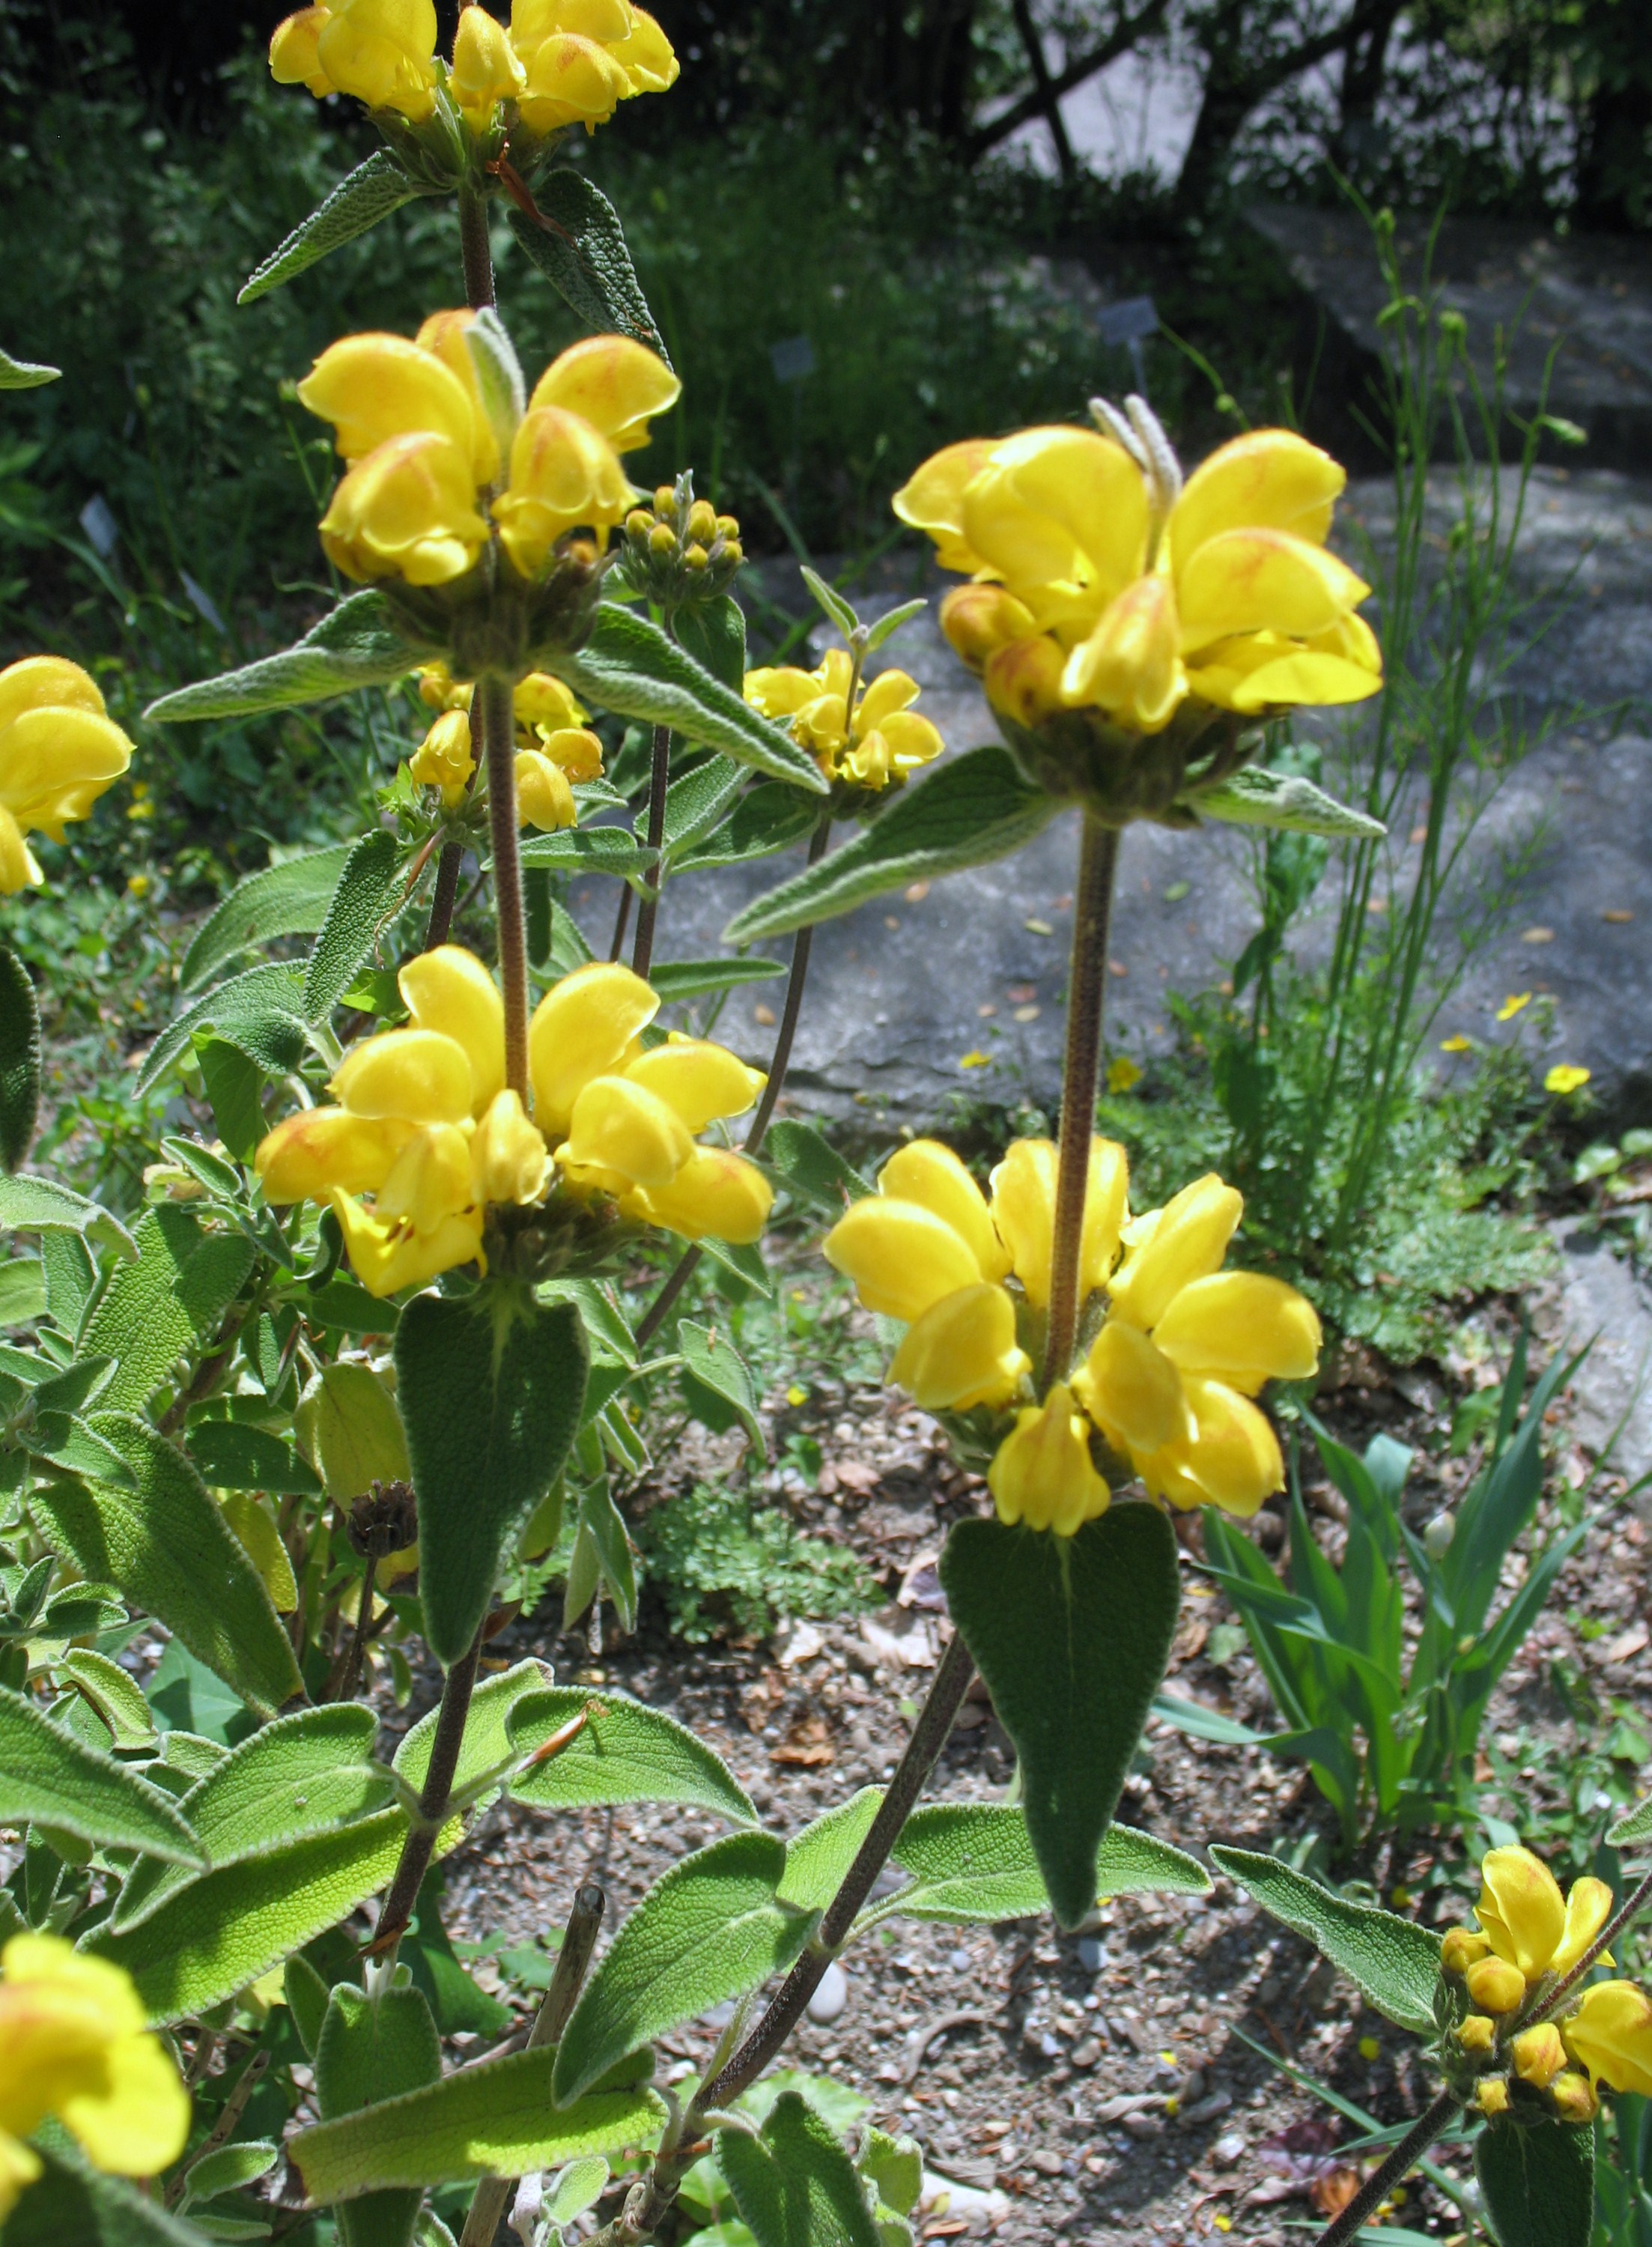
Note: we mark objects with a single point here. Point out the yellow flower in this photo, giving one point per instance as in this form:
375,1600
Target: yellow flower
443,759
1168,1378
1122,1074
373,387
884,741
382,52
485,69
1611,2036
564,475
1024,1213
1455,1044
1043,1473
74,2044
59,750
614,383
1528,1923
1495,1985
1514,1005
1478,2032
1573,2099
544,797
408,510
1121,603
1492,2096
1460,1947
962,1352
1567,1077
583,57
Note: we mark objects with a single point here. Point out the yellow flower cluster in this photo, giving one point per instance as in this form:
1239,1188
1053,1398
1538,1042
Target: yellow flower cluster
881,740
560,62
1100,586
424,461
424,1122
1168,1380
1528,1934
58,751
74,2044
555,747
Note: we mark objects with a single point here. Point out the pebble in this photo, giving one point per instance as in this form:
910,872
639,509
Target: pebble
1142,2126
1087,2054
959,1961
1228,2149
1092,1953
830,1995
1206,2110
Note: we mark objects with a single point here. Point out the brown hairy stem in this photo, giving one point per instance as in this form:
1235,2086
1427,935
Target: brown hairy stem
491,703
445,895
648,907
419,1846
1087,983
1375,2189
474,247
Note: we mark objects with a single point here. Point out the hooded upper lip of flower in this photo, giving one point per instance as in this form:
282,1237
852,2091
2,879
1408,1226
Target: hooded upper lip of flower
1232,596
59,750
1528,1923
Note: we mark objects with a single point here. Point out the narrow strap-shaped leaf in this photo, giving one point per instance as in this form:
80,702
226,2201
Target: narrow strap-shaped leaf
1394,1962
290,899
971,808
693,979
631,668
19,1059
364,642
359,201
353,916
47,1773
25,374
1255,797
585,258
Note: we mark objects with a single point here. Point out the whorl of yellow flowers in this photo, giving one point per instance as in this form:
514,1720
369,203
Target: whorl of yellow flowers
59,750
1167,1382
73,2045
882,740
560,62
424,1122
555,747
1101,582
424,460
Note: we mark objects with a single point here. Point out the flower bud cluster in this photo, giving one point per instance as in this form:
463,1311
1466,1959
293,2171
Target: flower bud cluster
679,549
555,747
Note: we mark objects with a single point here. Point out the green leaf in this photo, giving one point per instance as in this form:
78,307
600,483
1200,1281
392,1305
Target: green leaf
817,1859
157,1309
698,800
356,1434
365,641
891,622
836,609
289,899
714,634
973,1861
795,2186
234,1084
1202,1723
585,258
311,1772
491,1389
229,1927
259,1012
812,1166
488,1740
168,1547
19,1059
347,934
113,1691
74,2204
492,2120
1395,1963
232,1455
1255,797
373,2049
629,666
589,850
625,1752
1072,1636
580,2186
712,1927
25,374
29,1205
1634,1826
306,1995
600,1520
770,817
230,2169
711,1362
692,978
1537,2180
973,809
359,201
46,1774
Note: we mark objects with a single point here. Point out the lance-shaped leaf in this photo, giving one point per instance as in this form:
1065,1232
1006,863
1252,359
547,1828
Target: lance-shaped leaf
113,1691
46,1774
973,1861
19,1059
357,906
768,819
229,1927
631,668
1255,797
365,641
355,1431
1395,1963
795,2186
166,1547
589,850
290,899
1072,1634
1633,1827
30,1204
582,255
712,1927
696,802
233,1455
693,979
492,2120
491,1388
73,2202
359,201
1538,2182
717,1382
373,2049
812,1166
311,1773
167,1302
623,1752
971,809
259,1012
714,634
25,374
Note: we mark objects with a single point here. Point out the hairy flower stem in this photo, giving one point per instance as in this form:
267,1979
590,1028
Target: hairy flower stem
1382,2181
419,1846
474,247
683,1270
648,905
493,704
1630,1908
579,1940
351,1677
1087,983
649,2202
445,896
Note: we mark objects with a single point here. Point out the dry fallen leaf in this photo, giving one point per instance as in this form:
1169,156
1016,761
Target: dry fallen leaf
808,1745
1616,913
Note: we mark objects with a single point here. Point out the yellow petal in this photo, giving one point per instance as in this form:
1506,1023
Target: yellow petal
1249,581
55,763
1521,1910
1243,1327
978,619
1024,1213
564,475
1538,2054
386,1256
408,510
900,1255
1060,505
442,334
910,740
1185,1240
889,692
130,2111
1611,2035
962,1352
294,61
383,52
1043,1474
443,759
781,691
617,384
485,69
542,700
1267,479
702,1081
19,868
925,1172
544,799
717,1194
1132,1392
1024,680
1131,665
309,1154
933,500
583,1027
509,1161
448,990
1232,1456
570,81
429,1181
19,2166
421,1076
623,1128
373,387
1588,1907
47,682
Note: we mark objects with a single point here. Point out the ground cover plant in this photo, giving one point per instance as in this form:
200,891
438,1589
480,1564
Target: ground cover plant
357,1379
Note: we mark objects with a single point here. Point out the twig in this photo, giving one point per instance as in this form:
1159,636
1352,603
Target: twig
1092,912
446,892
648,908
351,1677
918,2043
419,1846
491,703
224,2128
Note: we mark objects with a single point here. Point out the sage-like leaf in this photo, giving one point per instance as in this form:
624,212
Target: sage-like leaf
623,1753
795,2186
717,1381
817,1859
31,1205
1395,1963
812,1166
374,2049
695,978
289,899
584,255
47,1775
974,1863
1255,797
1537,2180
365,641
487,1739
73,2202
357,909
260,1011
359,201
168,1303
25,374
714,634
19,1059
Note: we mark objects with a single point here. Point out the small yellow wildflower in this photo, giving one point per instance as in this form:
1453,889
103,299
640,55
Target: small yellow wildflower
975,1059
1514,1005
1566,1077
1122,1074
1454,1045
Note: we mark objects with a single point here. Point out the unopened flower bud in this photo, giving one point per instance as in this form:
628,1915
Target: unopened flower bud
638,523
696,557
662,540
1496,1986
1538,2054
727,526
1462,1946
702,522
1492,2096
665,500
734,552
1572,2098
1477,2033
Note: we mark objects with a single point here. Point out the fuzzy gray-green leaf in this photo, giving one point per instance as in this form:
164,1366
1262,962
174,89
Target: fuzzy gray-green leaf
364,642
359,201
625,1752
1395,1963
1256,797
47,1775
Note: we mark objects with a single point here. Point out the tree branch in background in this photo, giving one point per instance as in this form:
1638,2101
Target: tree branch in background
1119,41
